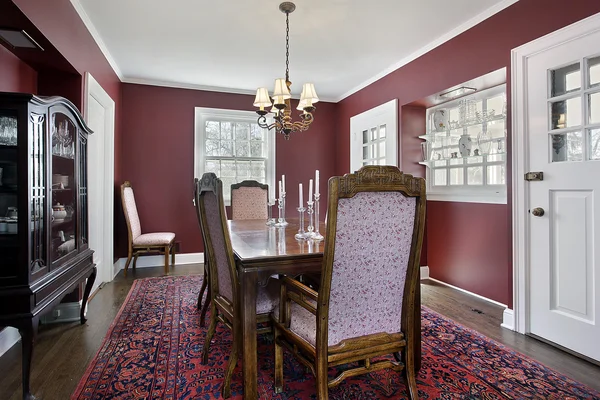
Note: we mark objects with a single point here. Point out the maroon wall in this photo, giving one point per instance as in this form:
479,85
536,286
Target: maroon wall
15,75
158,155
482,49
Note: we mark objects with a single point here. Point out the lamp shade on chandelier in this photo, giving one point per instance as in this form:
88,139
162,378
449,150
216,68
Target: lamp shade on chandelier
281,97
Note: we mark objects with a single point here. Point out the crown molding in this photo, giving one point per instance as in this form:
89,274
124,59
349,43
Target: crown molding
97,38
432,45
192,86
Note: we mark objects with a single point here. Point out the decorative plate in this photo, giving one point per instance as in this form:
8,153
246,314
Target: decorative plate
440,120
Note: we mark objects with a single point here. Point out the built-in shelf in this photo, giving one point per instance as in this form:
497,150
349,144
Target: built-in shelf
471,160
431,135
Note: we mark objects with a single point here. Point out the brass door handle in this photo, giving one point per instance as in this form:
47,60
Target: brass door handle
537,212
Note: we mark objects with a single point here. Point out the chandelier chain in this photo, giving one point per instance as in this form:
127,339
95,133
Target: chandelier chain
287,47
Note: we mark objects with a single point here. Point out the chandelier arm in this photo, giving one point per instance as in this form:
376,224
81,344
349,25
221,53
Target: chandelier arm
287,46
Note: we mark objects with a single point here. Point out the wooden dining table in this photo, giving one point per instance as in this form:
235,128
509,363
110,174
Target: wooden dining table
262,251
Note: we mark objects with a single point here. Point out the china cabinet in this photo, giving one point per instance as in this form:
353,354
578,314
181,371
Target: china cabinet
43,212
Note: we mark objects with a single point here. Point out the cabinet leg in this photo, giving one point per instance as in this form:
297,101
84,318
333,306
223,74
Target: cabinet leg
28,333
86,294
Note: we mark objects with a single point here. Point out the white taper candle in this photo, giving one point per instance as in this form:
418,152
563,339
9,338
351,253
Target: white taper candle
317,182
300,194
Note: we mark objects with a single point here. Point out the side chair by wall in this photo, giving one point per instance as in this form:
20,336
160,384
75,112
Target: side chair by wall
364,308
222,273
249,200
143,243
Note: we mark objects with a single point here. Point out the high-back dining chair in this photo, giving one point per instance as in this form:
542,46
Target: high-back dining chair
143,243
249,200
365,304
222,273
205,286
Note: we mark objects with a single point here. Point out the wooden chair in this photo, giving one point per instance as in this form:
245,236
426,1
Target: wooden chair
205,286
365,304
222,273
143,243
249,200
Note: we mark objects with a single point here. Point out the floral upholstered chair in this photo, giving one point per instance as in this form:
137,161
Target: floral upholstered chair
249,200
222,273
364,308
205,286
140,243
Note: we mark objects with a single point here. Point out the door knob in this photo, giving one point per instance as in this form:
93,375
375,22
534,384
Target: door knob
537,212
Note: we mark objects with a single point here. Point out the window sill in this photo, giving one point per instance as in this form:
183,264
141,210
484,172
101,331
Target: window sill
490,198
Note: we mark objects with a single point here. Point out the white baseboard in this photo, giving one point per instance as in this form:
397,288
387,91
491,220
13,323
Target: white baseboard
8,338
158,261
508,319
424,272
471,293
64,312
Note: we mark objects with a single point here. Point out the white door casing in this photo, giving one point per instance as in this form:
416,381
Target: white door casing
373,133
556,271
99,113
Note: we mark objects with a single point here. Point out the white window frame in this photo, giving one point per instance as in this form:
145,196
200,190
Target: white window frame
384,114
202,114
494,194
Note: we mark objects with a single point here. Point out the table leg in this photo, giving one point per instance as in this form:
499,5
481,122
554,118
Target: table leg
248,282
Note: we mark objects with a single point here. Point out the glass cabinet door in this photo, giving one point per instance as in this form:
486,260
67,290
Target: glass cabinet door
8,194
38,193
64,196
83,200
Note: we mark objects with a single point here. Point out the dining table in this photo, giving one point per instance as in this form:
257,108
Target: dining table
263,251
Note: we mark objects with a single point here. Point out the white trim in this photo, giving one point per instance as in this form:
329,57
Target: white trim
97,38
159,261
9,336
424,272
432,45
508,319
468,198
520,158
95,90
471,293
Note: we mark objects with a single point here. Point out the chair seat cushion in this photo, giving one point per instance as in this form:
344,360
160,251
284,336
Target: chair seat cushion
156,238
302,322
267,297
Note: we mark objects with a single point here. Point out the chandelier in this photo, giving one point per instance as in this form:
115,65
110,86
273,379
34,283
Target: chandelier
282,109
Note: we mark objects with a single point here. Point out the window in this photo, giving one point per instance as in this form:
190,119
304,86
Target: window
232,145
465,148
373,136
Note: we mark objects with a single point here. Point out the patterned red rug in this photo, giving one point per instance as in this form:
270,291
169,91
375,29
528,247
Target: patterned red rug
153,348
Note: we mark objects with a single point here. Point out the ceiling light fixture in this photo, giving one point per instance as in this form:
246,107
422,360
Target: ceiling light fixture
457,92
282,110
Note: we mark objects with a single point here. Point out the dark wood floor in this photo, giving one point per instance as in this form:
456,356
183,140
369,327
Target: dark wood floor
63,351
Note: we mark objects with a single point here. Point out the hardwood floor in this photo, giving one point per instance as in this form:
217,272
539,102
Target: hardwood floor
63,351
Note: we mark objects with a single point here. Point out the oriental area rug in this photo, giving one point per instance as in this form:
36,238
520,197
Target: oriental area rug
153,350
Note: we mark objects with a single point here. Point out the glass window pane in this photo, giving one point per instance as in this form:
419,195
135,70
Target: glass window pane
256,132
495,157
212,130
242,131
475,176
382,149
365,137
594,143
496,175
594,108
566,113
256,149
567,147
366,152
453,117
456,176
212,148
594,71
213,166
373,134
474,160
439,177
441,163
565,79
226,130
226,149
382,131
243,170
495,104
257,170
227,169
242,149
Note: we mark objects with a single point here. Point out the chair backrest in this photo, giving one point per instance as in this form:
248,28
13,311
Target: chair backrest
213,222
249,200
374,236
131,214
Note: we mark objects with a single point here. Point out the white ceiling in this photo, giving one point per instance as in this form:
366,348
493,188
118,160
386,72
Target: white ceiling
239,45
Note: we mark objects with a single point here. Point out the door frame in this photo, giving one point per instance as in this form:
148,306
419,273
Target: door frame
520,158
93,89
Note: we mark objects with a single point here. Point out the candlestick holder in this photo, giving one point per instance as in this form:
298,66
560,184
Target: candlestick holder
316,234
310,211
281,205
301,235
270,221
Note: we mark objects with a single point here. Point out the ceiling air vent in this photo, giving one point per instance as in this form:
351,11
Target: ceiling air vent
18,39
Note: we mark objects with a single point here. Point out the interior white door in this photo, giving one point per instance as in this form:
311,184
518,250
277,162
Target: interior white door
100,114
563,130
373,136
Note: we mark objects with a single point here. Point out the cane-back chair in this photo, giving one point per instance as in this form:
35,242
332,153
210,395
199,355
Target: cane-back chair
364,308
249,200
222,273
143,243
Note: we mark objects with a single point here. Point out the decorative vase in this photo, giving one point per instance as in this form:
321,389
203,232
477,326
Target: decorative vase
464,145
484,141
